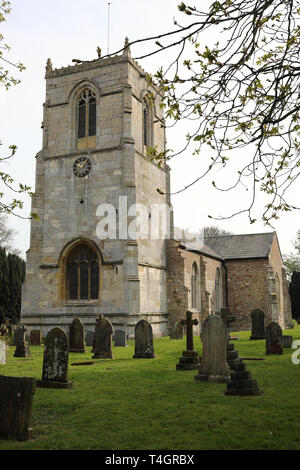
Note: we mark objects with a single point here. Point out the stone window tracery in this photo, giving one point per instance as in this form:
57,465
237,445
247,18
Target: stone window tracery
83,273
86,119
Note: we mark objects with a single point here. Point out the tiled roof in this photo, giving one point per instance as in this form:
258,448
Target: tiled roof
256,245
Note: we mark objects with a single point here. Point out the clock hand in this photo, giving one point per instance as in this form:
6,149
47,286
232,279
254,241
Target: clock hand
83,164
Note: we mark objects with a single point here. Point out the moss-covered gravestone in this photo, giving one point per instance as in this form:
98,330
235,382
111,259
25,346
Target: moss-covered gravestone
56,357
273,339
143,340
214,336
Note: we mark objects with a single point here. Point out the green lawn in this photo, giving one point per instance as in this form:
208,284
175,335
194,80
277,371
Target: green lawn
146,404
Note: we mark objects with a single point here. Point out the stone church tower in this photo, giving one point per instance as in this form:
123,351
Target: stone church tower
97,125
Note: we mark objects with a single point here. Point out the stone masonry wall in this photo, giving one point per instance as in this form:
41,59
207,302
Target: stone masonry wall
247,285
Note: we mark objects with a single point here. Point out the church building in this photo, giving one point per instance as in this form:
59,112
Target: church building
93,177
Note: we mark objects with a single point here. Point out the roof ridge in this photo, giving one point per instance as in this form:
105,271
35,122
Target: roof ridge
240,235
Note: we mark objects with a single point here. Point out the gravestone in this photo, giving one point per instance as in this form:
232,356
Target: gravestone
258,325
214,335
36,337
56,356
2,352
89,339
143,340
22,348
287,341
190,359
19,334
102,348
76,336
16,399
120,338
273,339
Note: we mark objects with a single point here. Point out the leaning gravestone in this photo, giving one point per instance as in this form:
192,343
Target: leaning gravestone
76,336
143,340
273,339
2,352
16,398
102,348
258,324
55,365
120,338
214,336
36,337
22,348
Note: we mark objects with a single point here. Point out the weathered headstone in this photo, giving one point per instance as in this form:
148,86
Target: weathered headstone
2,352
258,324
16,399
190,359
214,335
102,348
19,334
22,348
273,339
76,336
120,338
143,340
36,337
287,341
89,339
56,356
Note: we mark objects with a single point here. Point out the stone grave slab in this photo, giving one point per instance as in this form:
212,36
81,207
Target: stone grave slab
273,339
16,399
55,364
214,336
76,336
120,338
102,348
143,340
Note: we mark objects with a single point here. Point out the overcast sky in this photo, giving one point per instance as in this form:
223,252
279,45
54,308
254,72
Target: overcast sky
68,29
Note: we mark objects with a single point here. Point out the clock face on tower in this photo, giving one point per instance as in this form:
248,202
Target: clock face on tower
82,166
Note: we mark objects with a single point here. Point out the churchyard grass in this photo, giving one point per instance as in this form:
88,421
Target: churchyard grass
146,404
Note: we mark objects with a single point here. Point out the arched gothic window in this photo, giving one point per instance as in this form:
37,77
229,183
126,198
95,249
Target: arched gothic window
83,273
218,291
86,119
195,291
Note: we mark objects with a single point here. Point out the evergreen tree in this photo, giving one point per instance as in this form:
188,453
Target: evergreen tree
12,275
294,289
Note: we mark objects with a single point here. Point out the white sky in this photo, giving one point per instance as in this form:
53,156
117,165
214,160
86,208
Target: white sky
67,29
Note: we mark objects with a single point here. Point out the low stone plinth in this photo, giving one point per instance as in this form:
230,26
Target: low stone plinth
53,384
189,360
241,383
